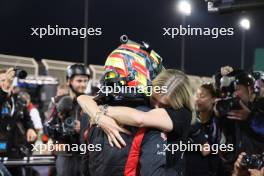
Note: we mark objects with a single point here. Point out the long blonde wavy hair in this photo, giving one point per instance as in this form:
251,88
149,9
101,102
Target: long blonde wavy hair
178,89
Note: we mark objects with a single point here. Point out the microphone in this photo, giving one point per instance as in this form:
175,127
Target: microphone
65,105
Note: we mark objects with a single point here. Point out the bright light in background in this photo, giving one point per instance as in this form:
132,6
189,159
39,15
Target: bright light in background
245,23
185,7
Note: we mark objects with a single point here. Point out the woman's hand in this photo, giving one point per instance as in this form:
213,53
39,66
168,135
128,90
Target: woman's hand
112,130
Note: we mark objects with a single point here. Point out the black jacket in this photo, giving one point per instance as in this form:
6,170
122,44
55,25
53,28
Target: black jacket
143,154
58,134
246,136
15,121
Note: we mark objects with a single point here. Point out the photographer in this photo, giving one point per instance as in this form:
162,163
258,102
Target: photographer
67,123
16,129
241,116
241,166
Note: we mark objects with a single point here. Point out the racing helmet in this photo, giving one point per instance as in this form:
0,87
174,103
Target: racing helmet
132,64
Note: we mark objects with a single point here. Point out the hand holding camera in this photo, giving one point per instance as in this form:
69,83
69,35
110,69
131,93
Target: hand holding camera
232,108
10,74
249,164
240,114
239,170
234,86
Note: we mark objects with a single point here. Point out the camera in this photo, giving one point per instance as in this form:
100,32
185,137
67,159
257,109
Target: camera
253,161
228,102
228,85
63,124
226,105
68,126
59,130
20,73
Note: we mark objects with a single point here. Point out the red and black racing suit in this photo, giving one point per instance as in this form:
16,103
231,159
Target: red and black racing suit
143,154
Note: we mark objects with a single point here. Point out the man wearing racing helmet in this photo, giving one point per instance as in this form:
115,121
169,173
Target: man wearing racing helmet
131,65
77,76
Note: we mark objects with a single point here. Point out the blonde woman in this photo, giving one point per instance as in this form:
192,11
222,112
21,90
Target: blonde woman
173,113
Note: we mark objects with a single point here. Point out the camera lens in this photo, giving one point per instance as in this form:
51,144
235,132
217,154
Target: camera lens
21,74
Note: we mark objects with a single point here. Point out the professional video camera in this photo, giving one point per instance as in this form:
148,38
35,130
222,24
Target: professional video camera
250,161
228,86
64,125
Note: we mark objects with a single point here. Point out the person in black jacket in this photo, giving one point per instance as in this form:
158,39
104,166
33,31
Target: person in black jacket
16,125
243,124
65,108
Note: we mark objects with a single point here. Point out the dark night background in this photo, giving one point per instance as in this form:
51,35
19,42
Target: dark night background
139,19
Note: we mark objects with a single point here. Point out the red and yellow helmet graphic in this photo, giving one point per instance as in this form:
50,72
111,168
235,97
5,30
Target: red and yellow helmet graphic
133,64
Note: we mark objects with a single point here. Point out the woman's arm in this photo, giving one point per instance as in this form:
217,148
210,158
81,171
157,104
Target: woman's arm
88,105
108,125
156,118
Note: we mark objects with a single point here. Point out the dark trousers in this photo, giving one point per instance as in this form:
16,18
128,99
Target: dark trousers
68,165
